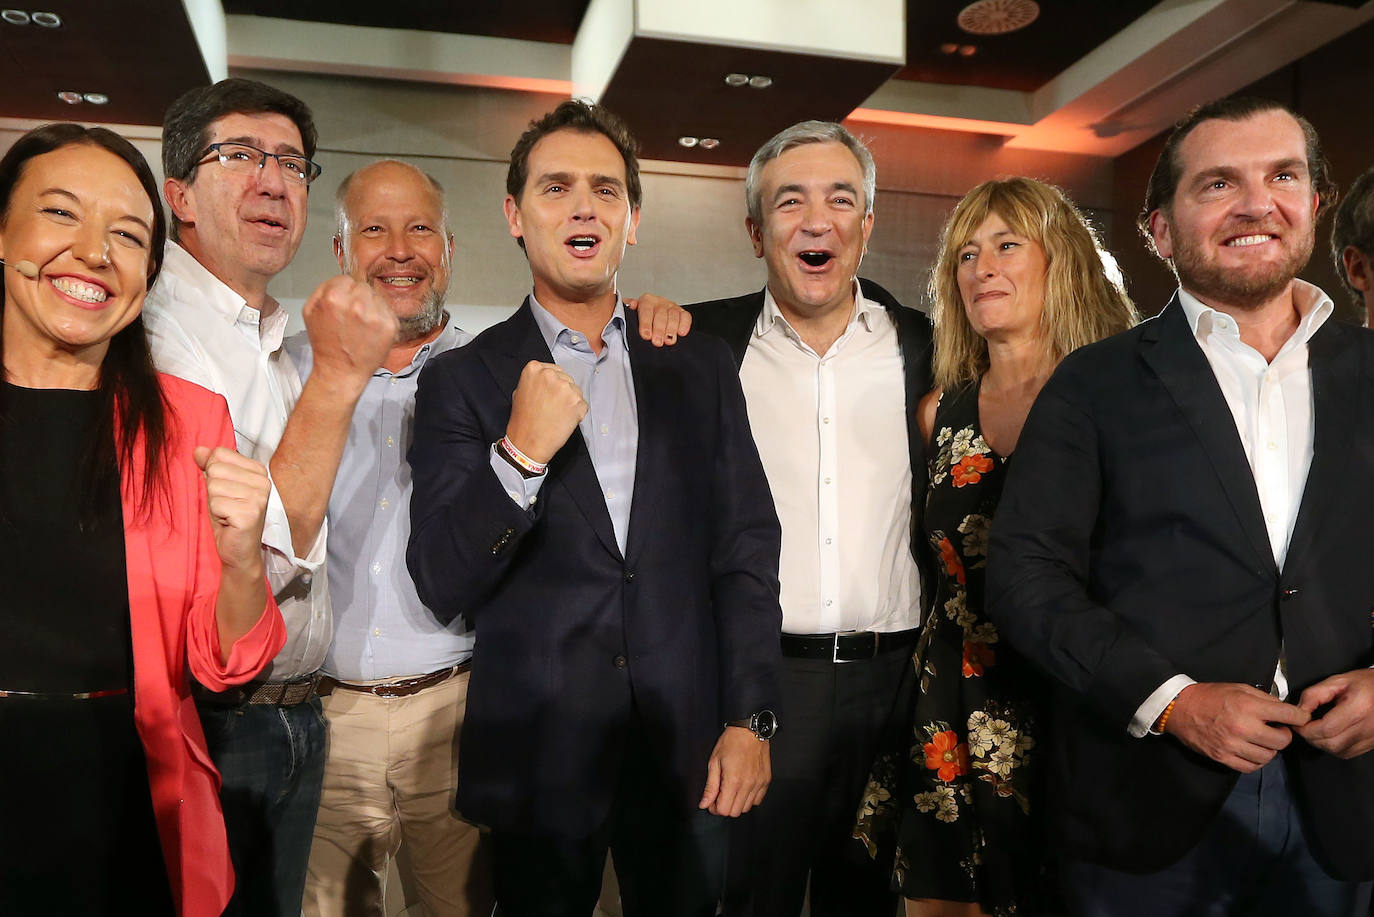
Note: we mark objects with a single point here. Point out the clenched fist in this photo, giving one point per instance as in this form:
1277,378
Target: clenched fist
351,330
236,488
545,409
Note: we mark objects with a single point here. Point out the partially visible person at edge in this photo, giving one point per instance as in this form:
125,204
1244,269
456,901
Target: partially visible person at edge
1183,546
237,160
129,532
1020,282
1352,243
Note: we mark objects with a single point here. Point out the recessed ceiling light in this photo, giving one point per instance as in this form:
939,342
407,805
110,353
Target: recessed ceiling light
709,143
998,17
47,20
688,142
71,98
736,79
96,98
15,17
968,50
760,82
949,47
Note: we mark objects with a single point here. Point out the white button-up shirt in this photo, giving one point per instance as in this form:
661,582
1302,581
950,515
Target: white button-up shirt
832,432
204,332
1271,402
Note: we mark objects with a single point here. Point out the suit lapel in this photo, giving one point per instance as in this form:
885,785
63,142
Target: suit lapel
652,457
571,467
1333,360
1173,353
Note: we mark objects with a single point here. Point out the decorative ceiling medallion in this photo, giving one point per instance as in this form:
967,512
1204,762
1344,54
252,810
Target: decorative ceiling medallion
998,17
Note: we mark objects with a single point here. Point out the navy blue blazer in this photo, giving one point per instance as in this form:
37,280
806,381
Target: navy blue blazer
575,640
1129,546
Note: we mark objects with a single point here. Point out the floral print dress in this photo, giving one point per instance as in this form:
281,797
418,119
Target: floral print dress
952,801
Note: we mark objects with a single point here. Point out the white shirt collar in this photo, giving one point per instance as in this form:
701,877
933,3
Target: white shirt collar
1314,308
865,311
219,298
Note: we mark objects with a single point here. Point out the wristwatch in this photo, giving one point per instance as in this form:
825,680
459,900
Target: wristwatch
764,724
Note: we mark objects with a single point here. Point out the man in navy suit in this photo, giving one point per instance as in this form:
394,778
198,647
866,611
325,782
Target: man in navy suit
597,509
1183,545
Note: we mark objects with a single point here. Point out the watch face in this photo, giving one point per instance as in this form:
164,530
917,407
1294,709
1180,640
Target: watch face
765,724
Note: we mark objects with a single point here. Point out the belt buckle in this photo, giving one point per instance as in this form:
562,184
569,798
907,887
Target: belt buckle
835,646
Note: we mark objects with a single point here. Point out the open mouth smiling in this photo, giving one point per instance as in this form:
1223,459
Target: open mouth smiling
1253,239
78,290
815,258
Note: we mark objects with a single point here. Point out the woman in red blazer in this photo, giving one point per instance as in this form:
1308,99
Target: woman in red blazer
129,553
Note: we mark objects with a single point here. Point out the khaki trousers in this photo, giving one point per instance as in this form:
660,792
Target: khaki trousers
389,782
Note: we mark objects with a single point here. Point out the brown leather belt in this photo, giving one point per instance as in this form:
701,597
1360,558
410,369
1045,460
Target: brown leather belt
402,687
277,693
846,647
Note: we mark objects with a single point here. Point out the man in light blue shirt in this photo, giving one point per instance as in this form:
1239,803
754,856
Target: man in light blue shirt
396,679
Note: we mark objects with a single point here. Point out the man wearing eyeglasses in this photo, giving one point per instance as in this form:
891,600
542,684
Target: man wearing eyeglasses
237,156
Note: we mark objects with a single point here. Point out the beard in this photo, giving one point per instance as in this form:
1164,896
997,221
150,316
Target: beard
431,315
1246,288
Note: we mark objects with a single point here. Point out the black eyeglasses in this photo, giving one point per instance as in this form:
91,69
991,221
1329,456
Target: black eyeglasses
240,157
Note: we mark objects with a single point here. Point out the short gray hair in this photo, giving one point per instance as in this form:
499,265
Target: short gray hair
1354,225
342,224
799,134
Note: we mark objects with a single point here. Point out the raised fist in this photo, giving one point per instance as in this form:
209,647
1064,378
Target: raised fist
351,329
236,489
545,409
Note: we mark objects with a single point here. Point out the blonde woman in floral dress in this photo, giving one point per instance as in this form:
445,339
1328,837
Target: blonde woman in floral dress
1020,282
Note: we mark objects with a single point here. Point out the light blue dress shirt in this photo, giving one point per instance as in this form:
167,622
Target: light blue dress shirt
381,629
611,427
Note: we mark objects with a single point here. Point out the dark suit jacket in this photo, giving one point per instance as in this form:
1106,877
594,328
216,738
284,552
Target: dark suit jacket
573,640
1129,546
734,321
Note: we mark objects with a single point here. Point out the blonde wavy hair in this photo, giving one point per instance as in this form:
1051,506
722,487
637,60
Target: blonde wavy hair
1085,300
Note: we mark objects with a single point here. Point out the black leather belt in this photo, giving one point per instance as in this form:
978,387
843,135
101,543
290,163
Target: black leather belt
846,647
402,687
277,693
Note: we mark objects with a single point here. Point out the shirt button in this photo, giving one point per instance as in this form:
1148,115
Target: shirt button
1272,445
825,420
619,662
376,568
390,441
610,495
829,541
629,576
383,503
394,380
533,498
827,480
575,338
605,428
376,631
829,602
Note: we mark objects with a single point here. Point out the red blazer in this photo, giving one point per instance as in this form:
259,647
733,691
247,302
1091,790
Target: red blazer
174,571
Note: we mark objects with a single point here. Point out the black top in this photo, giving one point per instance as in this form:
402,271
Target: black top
72,771
65,608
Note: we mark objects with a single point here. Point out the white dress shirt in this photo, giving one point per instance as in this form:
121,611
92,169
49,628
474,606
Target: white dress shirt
1271,401
204,332
832,432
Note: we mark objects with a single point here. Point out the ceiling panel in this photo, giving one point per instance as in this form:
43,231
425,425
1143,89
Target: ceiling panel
1024,60
106,48
531,20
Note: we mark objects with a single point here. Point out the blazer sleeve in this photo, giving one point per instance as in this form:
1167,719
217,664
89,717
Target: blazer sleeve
744,560
251,653
1040,591
465,528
